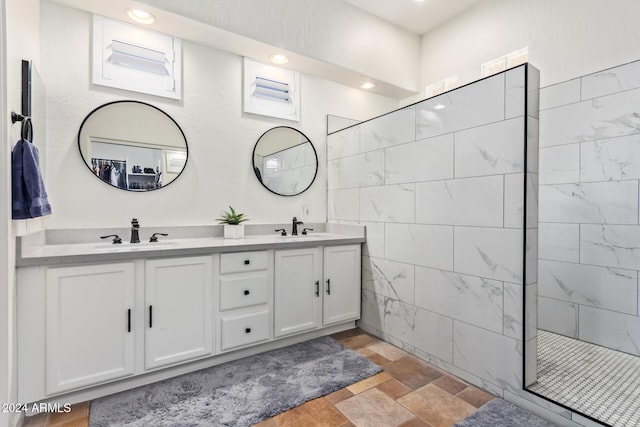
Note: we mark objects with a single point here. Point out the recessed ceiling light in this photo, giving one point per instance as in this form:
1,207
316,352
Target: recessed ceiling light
438,107
368,85
141,16
278,58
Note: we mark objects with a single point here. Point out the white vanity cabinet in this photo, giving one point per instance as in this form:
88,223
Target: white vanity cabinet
90,328
84,325
316,287
298,277
89,336
178,310
245,299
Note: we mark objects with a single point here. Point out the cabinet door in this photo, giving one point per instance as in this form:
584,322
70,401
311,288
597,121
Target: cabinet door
179,315
88,332
297,290
341,284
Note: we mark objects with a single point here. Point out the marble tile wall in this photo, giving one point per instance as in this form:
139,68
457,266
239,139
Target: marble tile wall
440,186
288,171
589,240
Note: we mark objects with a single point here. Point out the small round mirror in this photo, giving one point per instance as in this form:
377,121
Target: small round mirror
132,145
285,161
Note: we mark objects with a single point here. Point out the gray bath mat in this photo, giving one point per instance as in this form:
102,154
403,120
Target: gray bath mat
500,413
238,393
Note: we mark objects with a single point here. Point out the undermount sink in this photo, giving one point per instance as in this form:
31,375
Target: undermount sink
125,247
298,237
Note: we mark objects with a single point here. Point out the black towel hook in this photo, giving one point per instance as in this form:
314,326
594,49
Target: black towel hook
15,117
26,133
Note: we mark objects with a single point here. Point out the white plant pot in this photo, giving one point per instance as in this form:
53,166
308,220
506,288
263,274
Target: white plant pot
233,231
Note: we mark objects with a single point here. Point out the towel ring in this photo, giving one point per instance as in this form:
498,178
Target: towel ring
27,129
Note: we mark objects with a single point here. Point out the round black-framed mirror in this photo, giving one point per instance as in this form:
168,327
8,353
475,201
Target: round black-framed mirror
285,161
132,145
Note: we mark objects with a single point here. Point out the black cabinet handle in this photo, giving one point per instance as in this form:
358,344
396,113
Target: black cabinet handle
151,316
246,292
129,320
328,286
317,288
247,330
247,262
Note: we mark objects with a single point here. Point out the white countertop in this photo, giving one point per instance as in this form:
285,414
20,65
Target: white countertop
100,251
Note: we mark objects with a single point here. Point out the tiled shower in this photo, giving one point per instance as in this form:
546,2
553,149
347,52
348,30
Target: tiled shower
589,251
440,186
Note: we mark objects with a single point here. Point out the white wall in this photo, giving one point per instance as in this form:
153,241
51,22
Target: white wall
20,38
220,136
566,39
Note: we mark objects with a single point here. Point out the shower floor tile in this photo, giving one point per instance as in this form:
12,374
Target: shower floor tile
597,381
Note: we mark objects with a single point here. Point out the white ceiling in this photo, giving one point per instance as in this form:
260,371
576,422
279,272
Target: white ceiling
417,17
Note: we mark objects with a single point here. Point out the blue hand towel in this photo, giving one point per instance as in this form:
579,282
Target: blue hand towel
29,197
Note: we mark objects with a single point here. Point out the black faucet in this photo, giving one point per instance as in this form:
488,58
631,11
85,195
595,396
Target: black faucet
135,227
294,226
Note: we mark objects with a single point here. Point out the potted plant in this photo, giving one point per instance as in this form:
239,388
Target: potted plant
232,220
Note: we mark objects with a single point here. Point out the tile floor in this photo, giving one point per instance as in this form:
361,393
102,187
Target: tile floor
408,393
595,380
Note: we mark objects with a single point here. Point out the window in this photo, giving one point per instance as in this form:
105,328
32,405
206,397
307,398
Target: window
136,59
271,91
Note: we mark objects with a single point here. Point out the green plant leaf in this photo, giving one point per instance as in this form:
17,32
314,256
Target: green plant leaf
232,217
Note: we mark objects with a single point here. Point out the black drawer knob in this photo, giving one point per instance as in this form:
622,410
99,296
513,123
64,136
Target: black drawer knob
246,292
247,330
247,262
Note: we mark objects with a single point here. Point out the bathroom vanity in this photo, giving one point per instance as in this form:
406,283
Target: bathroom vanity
97,318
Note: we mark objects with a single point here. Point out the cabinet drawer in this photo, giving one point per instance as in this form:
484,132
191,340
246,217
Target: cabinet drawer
245,329
243,261
245,291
